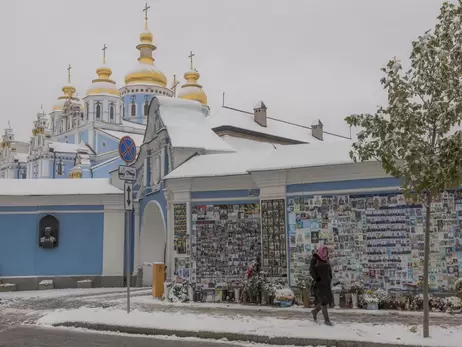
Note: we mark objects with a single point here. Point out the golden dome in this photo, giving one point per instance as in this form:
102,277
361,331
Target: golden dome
103,84
191,90
68,91
145,71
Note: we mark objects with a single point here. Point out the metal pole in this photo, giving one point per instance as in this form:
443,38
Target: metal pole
127,260
127,252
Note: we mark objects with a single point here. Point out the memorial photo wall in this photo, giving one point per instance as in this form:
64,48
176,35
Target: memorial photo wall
225,239
180,228
379,239
274,242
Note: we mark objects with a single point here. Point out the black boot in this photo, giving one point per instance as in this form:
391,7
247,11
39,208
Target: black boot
315,312
326,316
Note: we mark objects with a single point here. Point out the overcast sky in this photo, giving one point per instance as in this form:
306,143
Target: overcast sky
305,59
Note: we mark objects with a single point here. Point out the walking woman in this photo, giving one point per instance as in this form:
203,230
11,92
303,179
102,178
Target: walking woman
321,272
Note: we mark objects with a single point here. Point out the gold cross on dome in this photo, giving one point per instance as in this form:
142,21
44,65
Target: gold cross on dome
175,84
190,56
69,73
145,10
104,54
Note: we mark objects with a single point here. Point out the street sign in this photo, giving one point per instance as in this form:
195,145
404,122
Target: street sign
127,173
128,199
127,149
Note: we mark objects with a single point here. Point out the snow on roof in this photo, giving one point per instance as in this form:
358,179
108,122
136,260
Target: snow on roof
45,187
21,157
284,157
62,147
244,120
241,144
133,125
110,160
259,104
223,164
317,121
138,138
307,155
187,126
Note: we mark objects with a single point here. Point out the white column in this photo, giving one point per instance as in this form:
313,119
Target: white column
136,246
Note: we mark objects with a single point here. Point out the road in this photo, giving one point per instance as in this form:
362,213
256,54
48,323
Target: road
22,336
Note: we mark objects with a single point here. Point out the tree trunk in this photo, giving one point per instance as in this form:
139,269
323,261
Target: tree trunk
426,308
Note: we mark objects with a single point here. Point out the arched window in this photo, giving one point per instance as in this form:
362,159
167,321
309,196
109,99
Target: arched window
133,111
111,113
98,111
146,106
87,109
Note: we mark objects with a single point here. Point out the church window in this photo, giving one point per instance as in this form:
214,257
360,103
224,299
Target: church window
142,90
87,109
98,111
111,113
60,168
123,111
137,90
146,106
103,144
133,111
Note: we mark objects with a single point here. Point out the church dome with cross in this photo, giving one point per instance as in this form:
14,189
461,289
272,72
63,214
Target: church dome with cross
192,90
103,85
68,93
144,81
145,72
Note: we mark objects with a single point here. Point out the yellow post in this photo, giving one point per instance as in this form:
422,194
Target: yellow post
158,271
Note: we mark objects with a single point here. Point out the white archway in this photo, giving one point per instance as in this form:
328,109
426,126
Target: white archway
153,239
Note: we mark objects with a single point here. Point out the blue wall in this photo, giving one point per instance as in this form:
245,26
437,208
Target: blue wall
139,101
111,143
80,250
103,171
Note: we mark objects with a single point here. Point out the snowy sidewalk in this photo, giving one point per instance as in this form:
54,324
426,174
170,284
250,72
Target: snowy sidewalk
267,330
148,304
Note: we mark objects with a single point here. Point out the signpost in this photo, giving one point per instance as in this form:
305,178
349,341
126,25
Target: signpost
127,152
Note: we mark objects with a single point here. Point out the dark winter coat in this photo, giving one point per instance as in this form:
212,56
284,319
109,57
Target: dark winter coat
322,275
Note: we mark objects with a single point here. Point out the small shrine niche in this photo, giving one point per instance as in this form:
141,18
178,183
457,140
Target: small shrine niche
48,232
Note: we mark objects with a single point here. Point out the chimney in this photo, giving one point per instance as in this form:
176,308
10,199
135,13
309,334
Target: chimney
259,113
317,130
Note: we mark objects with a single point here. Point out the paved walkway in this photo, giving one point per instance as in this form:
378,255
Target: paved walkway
30,310
23,336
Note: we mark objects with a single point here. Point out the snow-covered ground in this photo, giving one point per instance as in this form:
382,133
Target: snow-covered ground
267,326
150,300
53,293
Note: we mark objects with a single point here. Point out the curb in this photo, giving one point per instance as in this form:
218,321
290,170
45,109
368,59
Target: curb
232,337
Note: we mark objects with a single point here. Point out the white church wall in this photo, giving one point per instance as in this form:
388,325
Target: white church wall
113,246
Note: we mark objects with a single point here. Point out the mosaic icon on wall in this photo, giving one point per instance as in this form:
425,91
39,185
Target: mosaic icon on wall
274,243
180,228
379,239
225,239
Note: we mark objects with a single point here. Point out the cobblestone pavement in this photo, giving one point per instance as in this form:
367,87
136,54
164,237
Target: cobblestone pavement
22,336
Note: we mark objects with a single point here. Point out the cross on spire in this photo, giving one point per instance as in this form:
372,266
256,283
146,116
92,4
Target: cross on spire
104,54
69,73
145,10
190,56
175,84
